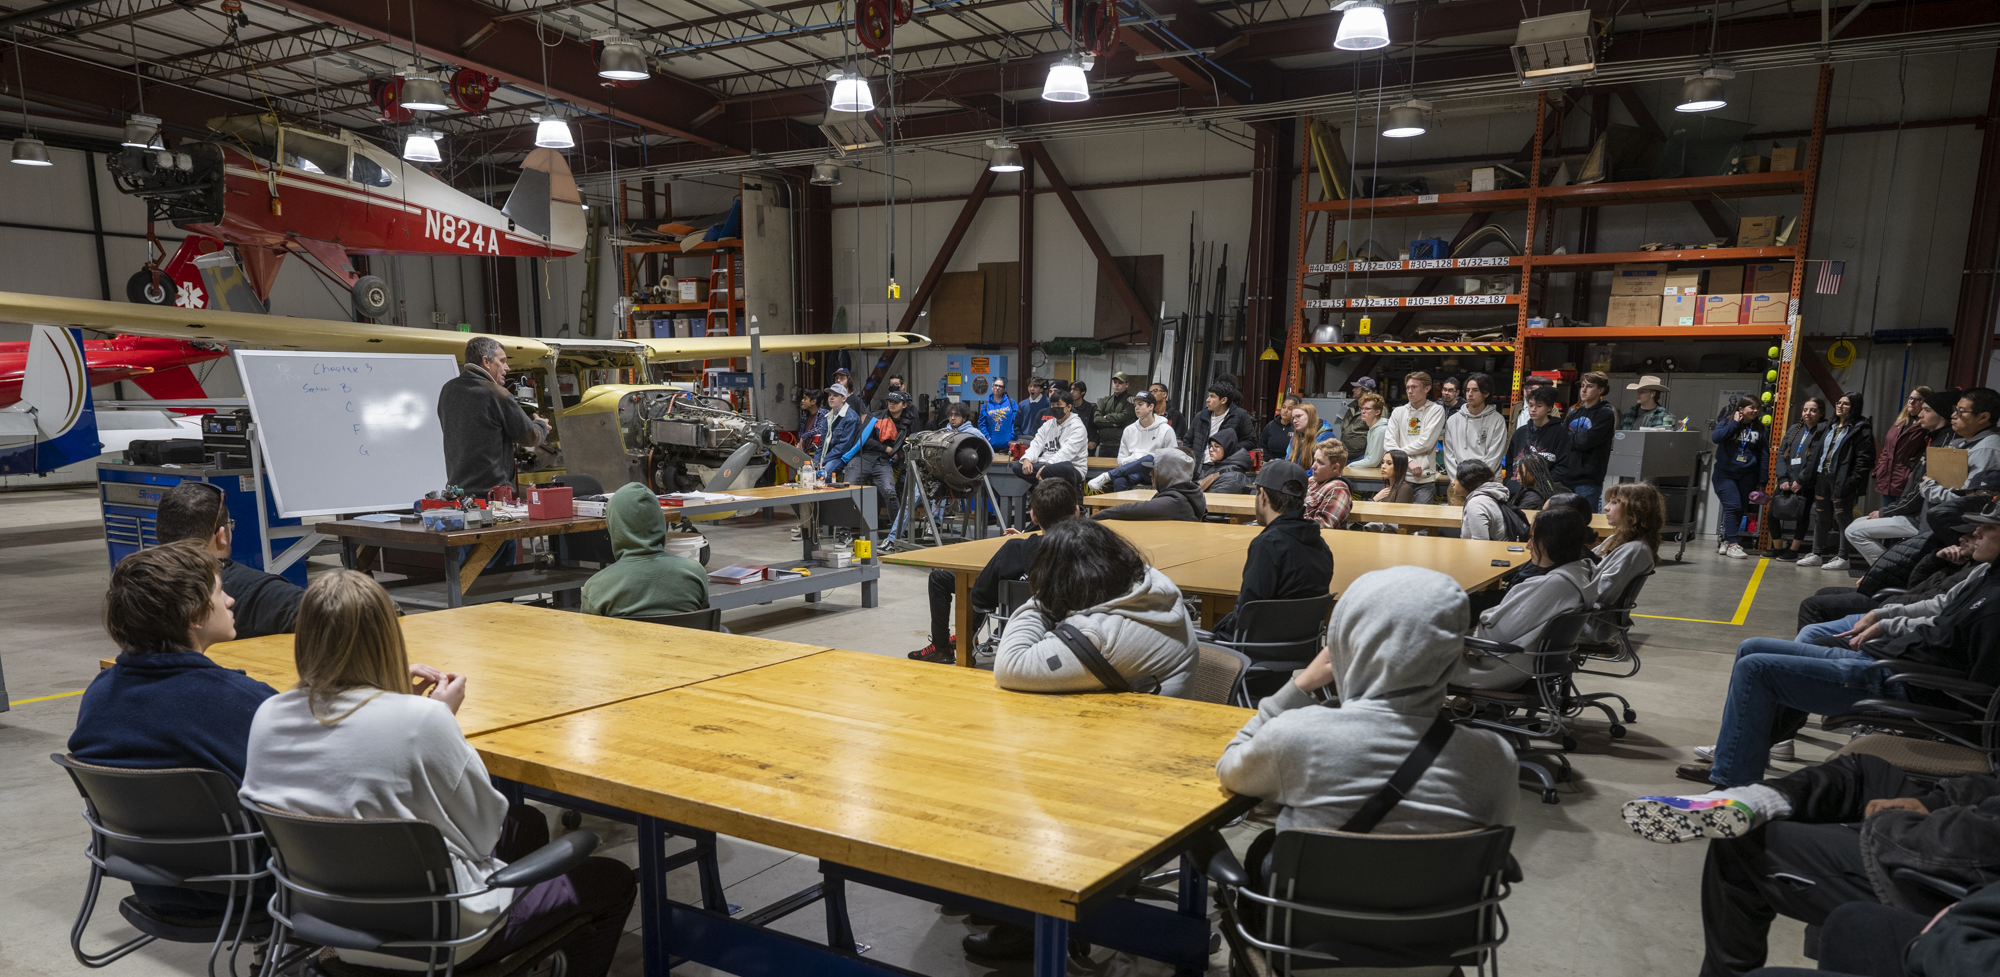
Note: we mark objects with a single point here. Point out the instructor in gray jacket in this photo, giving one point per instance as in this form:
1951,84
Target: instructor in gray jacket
482,423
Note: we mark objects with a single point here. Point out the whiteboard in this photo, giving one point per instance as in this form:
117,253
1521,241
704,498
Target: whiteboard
347,432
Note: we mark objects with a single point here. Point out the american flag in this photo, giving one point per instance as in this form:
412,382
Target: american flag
1829,277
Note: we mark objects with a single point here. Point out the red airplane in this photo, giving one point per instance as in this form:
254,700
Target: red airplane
278,189
157,366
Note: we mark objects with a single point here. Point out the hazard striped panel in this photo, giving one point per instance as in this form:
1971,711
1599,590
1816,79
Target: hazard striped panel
1408,348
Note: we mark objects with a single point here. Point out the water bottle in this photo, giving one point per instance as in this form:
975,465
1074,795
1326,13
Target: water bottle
808,477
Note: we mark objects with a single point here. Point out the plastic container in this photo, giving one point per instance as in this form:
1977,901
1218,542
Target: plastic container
687,545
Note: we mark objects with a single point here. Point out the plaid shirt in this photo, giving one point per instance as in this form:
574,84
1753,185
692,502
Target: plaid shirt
1328,502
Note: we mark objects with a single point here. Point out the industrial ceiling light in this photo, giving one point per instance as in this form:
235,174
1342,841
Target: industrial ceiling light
29,151
851,92
826,173
1363,26
421,146
140,129
552,132
1006,156
1703,92
1556,48
1407,119
1066,82
422,92
621,59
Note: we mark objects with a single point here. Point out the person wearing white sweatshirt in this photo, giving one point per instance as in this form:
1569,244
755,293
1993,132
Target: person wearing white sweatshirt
1137,445
1477,431
366,735
1060,445
1414,429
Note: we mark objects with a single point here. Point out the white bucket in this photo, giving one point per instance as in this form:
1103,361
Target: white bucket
686,544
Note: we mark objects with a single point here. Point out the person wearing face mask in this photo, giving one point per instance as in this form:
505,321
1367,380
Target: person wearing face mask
1846,459
1060,446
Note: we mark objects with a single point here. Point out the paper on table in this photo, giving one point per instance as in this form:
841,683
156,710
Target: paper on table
380,517
1946,465
704,496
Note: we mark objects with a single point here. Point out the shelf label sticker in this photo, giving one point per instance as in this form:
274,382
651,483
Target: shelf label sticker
1430,300
1377,265
1431,263
1479,300
1499,262
1374,303
1427,198
1326,303
1336,267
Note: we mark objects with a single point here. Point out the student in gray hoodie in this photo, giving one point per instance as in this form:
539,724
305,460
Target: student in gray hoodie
1557,542
1486,501
1395,639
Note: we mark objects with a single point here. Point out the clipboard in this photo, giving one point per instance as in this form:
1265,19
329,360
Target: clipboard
1946,466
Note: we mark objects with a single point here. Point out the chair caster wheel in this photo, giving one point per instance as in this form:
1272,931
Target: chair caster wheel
1549,797
1569,744
1617,731
1079,952
1631,715
572,820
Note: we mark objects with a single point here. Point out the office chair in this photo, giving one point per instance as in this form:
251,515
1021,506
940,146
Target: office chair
179,827
1278,637
1933,741
1535,709
1216,673
386,886
704,619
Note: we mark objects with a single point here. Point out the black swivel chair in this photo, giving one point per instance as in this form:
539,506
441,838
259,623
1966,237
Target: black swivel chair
1013,593
179,827
1333,899
705,619
1537,708
1279,637
386,886
1926,739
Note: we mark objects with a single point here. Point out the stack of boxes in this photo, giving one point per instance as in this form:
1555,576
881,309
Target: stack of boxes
1648,295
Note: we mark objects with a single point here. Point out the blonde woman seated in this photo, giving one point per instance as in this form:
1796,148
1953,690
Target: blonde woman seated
1636,512
366,734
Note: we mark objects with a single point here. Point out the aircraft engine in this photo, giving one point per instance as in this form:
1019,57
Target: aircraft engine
954,459
183,187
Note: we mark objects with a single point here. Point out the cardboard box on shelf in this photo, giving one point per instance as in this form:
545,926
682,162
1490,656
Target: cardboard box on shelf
1772,277
1784,158
1681,281
1721,310
693,289
1754,164
1637,279
1757,232
1680,310
1483,179
1766,308
1633,312
1724,279
1462,186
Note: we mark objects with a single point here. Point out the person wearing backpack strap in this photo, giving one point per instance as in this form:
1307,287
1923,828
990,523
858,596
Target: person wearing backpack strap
1486,505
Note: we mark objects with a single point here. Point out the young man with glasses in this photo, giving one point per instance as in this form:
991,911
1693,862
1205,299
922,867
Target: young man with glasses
265,602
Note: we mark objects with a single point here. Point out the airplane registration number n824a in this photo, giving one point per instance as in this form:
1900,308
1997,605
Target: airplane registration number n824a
458,231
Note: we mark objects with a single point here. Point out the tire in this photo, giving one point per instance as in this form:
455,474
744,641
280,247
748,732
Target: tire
140,289
371,297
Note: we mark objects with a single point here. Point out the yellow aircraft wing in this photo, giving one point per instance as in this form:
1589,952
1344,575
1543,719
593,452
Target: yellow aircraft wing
725,347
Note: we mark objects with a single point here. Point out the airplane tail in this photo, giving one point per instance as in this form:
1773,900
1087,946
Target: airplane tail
56,412
178,383
546,201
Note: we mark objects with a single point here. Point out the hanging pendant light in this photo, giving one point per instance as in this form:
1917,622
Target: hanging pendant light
29,151
422,92
1703,92
552,132
1006,156
1066,82
621,59
421,146
1407,119
1363,26
140,130
826,173
851,92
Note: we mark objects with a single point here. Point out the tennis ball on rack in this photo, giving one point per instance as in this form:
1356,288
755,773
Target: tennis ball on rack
1770,376
1772,352
1767,396
1766,419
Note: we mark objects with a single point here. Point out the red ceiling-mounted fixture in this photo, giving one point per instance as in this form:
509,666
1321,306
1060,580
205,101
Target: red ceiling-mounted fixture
471,90
387,94
875,21
1094,24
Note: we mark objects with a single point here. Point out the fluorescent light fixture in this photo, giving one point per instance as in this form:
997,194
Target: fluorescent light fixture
1363,26
621,58
1006,156
421,91
1407,119
1556,48
1703,92
140,130
826,173
421,146
552,132
1066,83
851,93
29,151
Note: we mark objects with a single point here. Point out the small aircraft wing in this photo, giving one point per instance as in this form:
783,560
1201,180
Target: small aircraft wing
250,329
725,347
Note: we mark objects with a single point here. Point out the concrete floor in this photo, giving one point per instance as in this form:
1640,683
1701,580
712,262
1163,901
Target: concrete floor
1598,900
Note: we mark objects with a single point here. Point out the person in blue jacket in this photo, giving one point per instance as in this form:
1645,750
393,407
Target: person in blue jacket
843,427
996,416
1740,445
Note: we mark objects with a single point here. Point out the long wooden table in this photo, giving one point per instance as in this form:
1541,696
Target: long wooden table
1243,508
1475,563
1048,807
1163,544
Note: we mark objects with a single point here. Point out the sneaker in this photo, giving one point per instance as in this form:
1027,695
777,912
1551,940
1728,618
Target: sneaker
1780,752
1811,560
1669,820
797,532
936,656
1834,564
1722,548
1735,552
1101,483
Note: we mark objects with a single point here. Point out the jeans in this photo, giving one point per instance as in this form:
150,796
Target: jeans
1593,494
1823,632
1771,675
601,888
1871,537
1834,602
1831,517
1131,475
877,469
1733,491
1063,470
1426,492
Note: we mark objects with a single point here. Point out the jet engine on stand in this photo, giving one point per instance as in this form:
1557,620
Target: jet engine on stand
940,469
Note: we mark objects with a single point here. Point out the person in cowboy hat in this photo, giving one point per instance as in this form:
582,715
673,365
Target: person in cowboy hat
1648,412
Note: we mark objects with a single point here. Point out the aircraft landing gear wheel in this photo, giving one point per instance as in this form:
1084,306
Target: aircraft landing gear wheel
371,297
140,288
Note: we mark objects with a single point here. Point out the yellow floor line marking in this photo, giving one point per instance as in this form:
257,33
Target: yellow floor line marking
59,695
1742,606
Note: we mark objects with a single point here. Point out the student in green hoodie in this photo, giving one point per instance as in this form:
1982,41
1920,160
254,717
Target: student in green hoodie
646,581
